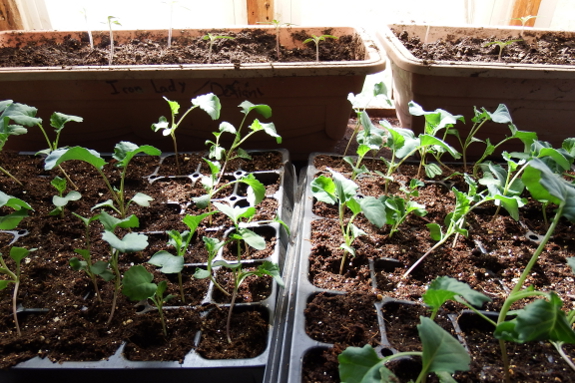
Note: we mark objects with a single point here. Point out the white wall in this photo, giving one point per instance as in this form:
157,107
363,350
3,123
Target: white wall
154,14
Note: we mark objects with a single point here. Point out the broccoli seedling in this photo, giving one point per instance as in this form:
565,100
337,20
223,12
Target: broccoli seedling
124,152
210,103
60,201
174,264
316,40
138,286
17,254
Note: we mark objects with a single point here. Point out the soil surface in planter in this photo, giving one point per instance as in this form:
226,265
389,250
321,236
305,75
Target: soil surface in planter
247,46
73,326
490,260
549,48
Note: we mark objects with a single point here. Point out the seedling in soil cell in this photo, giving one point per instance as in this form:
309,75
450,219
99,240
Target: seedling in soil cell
124,152
370,135
130,243
60,201
174,264
316,39
110,22
58,121
91,269
266,268
213,39
210,103
17,254
343,192
242,234
138,286
213,246
13,118
501,45
441,354
218,152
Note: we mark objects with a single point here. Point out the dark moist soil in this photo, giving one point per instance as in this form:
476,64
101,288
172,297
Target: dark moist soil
548,48
73,325
489,260
248,46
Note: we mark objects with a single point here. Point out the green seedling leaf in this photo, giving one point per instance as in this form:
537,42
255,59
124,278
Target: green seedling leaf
210,103
201,273
202,201
443,289
79,153
435,231
11,221
110,223
251,238
544,185
402,141
59,120
345,189
501,115
163,125
19,253
359,365
131,242
63,201
142,199
138,284
262,109
101,268
323,189
374,210
258,189
168,263
235,213
427,140
124,152
436,120
21,114
269,128
273,270
59,184
539,320
441,351
226,127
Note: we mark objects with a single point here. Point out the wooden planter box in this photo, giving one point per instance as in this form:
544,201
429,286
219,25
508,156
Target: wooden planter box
309,100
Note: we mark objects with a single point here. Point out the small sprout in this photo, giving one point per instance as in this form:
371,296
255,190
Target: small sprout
84,11
213,39
110,22
171,5
17,254
501,45
60,201
316,40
